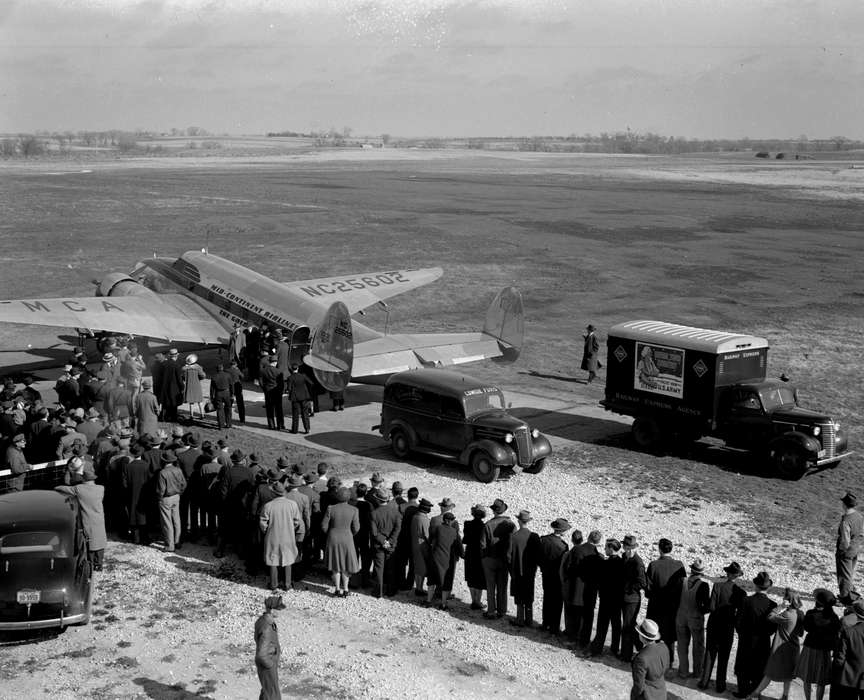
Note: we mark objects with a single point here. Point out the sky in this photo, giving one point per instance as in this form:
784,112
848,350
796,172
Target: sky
688,68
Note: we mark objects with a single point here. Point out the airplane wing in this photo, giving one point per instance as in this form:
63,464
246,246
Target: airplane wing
361,291
165,316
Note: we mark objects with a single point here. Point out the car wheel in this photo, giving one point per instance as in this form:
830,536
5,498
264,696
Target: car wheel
646,432
483,468
399,443
789,462
537,467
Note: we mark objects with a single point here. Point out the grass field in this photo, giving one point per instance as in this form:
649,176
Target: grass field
773,249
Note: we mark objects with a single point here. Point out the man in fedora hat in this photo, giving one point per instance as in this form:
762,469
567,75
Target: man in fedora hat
524,559
267,649
650,664
848,664
634,583
170,483
384,526
273,385
90,496
664,576
171,389
281,523
447,506
727,597
754,636
591,353
420,544
552,548
235,485
611,594
495,546
850,535
690,620
299,389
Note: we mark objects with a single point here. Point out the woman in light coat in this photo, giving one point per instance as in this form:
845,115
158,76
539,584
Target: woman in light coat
193,373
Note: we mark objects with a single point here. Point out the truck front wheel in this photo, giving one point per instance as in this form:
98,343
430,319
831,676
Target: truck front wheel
646,432
789,462
483,468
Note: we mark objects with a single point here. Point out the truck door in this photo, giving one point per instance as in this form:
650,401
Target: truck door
743,421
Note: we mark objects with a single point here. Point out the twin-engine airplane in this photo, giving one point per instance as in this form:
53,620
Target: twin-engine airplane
201,298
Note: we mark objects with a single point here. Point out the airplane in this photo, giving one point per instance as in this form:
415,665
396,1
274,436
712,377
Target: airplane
201,298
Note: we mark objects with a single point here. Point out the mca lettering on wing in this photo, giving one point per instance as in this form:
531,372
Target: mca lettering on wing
351,283
70,304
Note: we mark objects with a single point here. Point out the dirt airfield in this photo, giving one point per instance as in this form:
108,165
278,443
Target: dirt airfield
773,249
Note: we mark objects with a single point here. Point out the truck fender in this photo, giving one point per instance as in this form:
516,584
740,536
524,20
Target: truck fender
541,448
502,455
794,438
405,428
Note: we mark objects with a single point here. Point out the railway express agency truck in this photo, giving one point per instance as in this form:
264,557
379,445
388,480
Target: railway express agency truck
681,383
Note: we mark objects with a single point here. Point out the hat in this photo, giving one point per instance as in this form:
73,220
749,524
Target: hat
67,368
237,456
629,542
310,477
424,506
274,474
191,358
696,567
376,479
734,569
20,437
70,423
295,480
294,368
221,442
253,458
824,598
107,357
849,500
162,434
524,516
649,630
146,383
560,525
589,327
177,431
173,352
278,488
498,506
784,377
763,581
376,497
124,442
274,602
478,509
194,440
447,503
397,486
92,413
169,457
282,463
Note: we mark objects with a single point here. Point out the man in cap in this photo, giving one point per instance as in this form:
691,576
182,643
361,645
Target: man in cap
171,391
850,535
267,649
754,636
650,664
590,353
724,606
90,497
524,557
170,483
848,667
690,620
17,462
634,583
495,546
664,576
273,385
221,396
384,525
552,549
299,390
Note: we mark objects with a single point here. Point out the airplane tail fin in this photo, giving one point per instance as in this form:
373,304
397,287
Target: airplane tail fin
505,321
332,352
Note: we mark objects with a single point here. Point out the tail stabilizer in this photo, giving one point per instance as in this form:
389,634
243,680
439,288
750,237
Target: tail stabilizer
331,355
505,321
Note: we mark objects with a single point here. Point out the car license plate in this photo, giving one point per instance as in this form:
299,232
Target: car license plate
29,597
820,454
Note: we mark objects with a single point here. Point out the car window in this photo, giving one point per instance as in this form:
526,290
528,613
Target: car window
483,400
451,408
32,543
748,402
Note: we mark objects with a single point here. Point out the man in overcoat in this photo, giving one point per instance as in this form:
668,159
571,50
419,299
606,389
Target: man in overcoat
282,525
591,353
634,583
171,392
384,525
90,496
552,549
273,386
664,577
850,536
754,636
848,667
267,649
495,546
299,390
726,600
523,560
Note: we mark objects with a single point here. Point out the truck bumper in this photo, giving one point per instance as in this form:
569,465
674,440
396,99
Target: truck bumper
832,460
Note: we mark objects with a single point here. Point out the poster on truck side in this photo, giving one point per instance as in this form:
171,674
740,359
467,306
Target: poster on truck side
659,369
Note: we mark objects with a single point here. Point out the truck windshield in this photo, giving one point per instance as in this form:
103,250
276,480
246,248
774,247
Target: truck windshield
483,401
777,397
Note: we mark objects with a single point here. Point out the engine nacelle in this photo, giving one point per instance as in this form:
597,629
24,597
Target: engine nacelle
119,284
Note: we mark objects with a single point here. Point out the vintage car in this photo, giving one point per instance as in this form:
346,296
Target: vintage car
45,578
458,418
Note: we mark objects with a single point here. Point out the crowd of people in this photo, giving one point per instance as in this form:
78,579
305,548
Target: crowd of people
144,483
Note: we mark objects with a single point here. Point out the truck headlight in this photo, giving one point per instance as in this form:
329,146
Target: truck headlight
816,430
535,433
509,437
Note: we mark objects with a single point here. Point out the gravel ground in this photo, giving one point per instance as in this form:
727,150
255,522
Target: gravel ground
180,625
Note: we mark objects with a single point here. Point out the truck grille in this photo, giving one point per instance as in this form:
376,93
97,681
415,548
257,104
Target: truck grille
828,439
524,448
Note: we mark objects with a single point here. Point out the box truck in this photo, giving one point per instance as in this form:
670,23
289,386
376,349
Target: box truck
681,383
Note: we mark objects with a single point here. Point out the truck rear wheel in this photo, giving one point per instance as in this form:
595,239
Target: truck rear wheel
790,462
399,443
483,468
646,432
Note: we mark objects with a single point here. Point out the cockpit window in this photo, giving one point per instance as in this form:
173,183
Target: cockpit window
46,543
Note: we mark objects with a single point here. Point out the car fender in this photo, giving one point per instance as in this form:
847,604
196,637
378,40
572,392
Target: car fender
404,426
807,443
541,447
501,454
